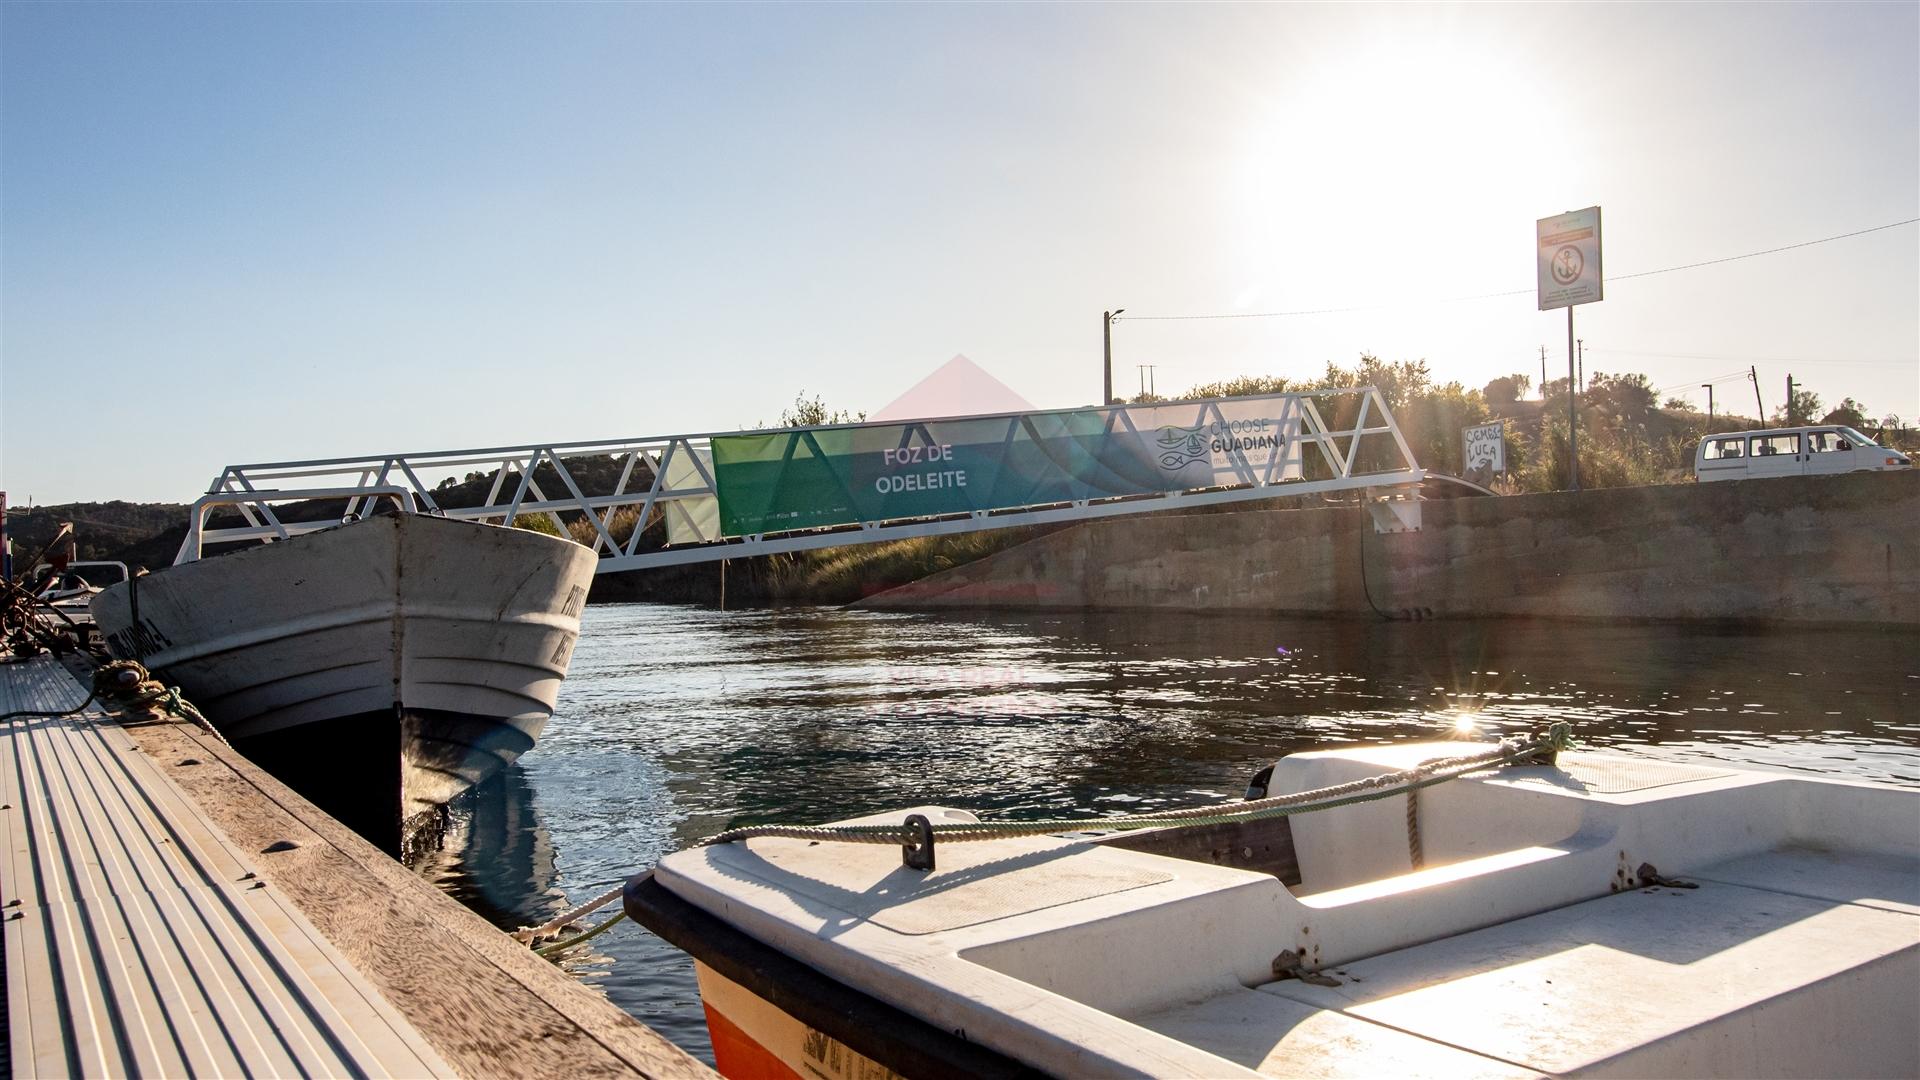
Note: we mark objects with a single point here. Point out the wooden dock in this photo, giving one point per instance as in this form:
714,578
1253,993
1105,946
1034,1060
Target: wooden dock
169,909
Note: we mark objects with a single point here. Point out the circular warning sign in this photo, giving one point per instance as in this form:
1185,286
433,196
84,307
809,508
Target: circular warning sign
1567,265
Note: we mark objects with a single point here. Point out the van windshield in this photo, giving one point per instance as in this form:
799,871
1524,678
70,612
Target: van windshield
1856,438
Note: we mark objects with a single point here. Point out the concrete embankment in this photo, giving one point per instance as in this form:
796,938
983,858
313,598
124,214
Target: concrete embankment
1842,549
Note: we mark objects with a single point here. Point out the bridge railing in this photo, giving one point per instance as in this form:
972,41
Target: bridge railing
829,484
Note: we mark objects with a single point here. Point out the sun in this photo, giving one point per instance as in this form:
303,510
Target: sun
1377,167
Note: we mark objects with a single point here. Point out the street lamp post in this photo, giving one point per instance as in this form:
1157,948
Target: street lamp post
1106,338
1709,389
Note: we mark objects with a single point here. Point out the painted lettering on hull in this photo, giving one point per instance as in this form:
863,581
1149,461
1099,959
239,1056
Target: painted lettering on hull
138,641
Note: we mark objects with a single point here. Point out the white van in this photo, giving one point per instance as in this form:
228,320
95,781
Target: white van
1805,451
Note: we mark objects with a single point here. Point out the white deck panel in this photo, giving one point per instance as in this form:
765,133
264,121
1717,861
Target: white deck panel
1278,1036
139,941
1723,980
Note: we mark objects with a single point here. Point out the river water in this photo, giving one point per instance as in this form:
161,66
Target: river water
677,722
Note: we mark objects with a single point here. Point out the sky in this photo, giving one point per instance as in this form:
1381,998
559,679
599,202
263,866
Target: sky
243,233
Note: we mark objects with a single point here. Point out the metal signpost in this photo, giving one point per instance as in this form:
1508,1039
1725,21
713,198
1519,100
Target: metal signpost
1568,251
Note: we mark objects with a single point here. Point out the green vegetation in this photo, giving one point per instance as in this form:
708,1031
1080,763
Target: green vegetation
1626,437
543,524
844,574
138,534
813,412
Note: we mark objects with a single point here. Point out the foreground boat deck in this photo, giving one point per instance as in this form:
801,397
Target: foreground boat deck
170,910
1535,937
1650,982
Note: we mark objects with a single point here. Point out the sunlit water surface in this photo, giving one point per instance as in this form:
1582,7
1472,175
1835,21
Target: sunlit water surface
678,722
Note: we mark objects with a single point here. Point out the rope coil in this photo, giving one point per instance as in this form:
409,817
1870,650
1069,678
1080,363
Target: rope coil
126,683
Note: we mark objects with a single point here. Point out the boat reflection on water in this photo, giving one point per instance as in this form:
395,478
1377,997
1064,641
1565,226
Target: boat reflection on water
492,853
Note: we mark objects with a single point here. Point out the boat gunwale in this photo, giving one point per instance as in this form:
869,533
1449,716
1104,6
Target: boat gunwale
865,1024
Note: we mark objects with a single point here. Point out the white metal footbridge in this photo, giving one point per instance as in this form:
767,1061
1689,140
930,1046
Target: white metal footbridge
729,495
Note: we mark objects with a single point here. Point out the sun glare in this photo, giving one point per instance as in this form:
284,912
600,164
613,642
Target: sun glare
1392,157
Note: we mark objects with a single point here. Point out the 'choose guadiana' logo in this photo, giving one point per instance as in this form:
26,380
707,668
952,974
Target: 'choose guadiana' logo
1181,447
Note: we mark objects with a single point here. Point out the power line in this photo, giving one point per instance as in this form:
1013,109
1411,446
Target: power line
1716,380
1747,359
1517,292
1769,251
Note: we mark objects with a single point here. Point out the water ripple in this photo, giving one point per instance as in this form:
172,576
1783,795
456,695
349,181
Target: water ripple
678,722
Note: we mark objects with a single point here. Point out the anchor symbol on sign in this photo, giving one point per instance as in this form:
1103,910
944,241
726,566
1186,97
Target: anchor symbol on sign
1567,264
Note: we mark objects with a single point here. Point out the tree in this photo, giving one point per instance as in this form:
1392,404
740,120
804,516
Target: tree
1675,404
1507,389
1848,412
1398,381
1804,406
1245,386
815,413
1628,397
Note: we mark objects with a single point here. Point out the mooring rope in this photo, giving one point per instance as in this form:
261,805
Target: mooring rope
47,714
1416,854
1368,789
559,947
529,934
24,627
1540,748
126,683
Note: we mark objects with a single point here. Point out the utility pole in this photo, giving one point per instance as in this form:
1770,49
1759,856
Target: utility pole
1573,412
1790,420
1754,374
1106,338
1147,385
1543,373
1709,389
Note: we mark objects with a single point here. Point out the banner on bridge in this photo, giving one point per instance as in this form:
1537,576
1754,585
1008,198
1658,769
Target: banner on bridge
780,481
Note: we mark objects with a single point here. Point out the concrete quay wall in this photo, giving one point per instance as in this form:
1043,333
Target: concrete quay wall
1842,549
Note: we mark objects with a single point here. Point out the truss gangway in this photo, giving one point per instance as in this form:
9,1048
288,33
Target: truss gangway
729,495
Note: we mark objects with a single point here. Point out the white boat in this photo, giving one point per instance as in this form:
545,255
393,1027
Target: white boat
70,589
379,667
1605,915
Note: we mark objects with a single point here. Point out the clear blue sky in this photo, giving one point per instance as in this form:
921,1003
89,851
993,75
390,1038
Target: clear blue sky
257,232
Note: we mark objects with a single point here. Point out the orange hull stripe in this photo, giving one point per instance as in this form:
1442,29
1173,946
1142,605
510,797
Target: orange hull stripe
737,1056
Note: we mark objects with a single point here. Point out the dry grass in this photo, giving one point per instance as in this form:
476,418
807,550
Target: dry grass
844,574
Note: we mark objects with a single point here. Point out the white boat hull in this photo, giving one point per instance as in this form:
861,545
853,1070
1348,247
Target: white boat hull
1512,922
380,667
